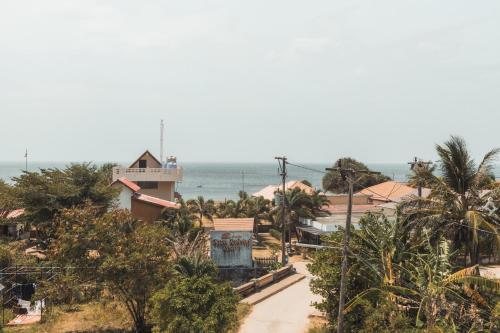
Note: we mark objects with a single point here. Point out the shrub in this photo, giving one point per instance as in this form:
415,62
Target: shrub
275,233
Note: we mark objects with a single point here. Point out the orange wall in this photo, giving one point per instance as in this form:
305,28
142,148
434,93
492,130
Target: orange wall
144,211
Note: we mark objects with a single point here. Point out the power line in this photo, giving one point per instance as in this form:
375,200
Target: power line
478,229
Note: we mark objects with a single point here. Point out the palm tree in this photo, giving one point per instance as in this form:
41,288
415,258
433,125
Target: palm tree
195,266
319,202
258,208
298,204
179,220
455,206
419,282
202,208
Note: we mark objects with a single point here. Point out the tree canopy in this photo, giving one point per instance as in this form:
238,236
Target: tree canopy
333,182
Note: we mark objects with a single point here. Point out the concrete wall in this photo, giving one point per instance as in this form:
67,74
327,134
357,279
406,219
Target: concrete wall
125,196
164,191
342,199
231,249
144,211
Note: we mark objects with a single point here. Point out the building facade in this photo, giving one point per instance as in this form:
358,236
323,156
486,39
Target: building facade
151,176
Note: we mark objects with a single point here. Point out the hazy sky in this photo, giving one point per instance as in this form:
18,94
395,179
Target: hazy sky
381,81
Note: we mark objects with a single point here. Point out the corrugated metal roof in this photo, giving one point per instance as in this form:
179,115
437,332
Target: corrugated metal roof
125,182
155,201
234,224
312,230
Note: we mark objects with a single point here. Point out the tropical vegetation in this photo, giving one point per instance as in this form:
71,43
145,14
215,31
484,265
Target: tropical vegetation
333,182
418,271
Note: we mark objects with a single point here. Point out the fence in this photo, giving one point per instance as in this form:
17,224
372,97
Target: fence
256,284
265,261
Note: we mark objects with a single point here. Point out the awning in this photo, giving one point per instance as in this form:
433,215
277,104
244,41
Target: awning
312,230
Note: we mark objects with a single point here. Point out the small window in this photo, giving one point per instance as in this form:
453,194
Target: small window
142,163
148,185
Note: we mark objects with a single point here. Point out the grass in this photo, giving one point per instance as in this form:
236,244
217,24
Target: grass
89,318
318,325
242,311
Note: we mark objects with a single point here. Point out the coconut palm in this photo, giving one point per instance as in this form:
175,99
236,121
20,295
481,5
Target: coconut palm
424,285
195,266
319,202
455,206
203,208
297,203
180,220
258,208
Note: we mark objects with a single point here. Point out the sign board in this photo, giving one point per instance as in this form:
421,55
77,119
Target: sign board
231,248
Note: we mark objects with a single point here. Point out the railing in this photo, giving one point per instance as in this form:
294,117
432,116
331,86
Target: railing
265,261
148,174
256,284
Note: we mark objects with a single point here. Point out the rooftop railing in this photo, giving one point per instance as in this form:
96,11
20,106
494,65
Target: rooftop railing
148,174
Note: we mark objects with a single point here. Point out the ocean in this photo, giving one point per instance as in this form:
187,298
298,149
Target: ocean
219,181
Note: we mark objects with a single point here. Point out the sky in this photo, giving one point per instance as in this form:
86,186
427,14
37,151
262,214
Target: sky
244,81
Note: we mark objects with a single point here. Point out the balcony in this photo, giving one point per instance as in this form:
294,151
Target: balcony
148,174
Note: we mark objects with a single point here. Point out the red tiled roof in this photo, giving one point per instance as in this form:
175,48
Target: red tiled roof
131,185
242,224
155,201
15,213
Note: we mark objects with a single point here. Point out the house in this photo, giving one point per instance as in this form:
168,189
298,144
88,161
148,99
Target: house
390,191
142,206
231,242
153,177
380,198
269,191
12,226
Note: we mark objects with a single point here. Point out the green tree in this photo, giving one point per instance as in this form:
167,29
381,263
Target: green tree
454,208
8,199
395,283
298,204
333,182
195,266
194,302
203,208
45,193
179,220
127,256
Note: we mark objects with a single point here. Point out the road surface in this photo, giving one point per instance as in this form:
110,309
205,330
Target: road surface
286,312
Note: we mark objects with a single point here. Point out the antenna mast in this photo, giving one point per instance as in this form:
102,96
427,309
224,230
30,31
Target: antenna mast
162,127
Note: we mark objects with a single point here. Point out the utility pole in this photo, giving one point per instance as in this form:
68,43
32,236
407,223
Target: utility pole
283,174
26,158
348,175
243,180
418,164
162,129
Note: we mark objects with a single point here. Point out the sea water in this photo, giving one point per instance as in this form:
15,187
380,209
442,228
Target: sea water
224,180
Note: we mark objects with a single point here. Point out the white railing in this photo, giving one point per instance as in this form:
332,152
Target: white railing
148,174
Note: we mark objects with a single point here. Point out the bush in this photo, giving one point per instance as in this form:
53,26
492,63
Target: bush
275,233
195,304
6,257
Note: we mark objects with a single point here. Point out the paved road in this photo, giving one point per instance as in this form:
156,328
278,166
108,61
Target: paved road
286,312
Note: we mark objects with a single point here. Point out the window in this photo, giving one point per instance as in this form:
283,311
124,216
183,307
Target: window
148,185
142,163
